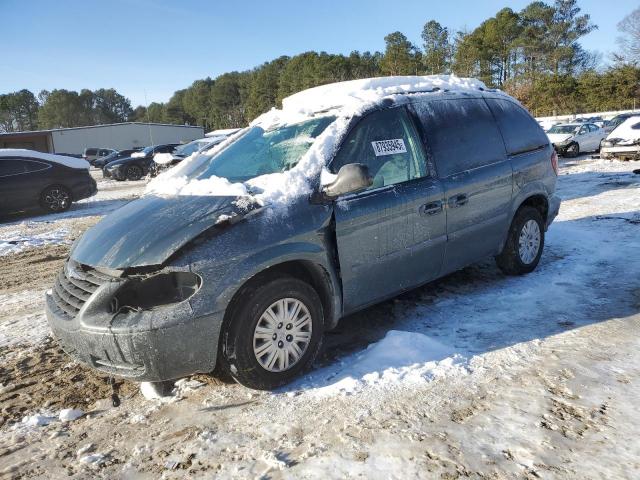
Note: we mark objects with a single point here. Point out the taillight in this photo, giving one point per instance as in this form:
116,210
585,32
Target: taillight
554,161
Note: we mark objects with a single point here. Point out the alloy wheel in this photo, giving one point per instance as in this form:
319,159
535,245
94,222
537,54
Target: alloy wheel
529,242
57,199
282,335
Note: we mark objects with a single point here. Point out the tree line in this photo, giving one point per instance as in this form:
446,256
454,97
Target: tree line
534,54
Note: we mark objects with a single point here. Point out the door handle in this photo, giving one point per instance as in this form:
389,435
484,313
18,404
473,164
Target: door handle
458,200
430,208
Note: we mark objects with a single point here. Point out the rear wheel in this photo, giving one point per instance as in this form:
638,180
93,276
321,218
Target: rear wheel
525,242
55,199
133,172
274,335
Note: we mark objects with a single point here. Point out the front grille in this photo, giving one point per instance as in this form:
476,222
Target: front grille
74,285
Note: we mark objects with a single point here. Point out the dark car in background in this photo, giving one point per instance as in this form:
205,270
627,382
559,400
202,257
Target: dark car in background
30,179
138,165
91,154
101,162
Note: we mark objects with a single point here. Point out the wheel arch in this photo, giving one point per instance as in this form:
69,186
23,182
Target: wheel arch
306,270
538,201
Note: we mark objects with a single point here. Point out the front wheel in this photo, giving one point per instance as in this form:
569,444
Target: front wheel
572,150
133,172
274,334
525,242
55,199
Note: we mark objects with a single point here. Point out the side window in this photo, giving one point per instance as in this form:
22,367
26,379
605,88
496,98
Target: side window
520,131
91,151
635,126
35,166
387,142
461,134
10,167
583,130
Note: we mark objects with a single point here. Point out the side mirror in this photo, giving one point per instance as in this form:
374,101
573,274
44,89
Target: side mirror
351,178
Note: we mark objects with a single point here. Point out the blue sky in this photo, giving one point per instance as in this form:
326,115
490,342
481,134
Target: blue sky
147,49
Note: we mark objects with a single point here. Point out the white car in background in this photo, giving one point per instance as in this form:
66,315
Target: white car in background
569,139
624,141
183,151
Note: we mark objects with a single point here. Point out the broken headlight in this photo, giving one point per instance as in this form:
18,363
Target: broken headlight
155,291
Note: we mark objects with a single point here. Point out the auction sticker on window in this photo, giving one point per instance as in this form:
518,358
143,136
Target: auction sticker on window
389,147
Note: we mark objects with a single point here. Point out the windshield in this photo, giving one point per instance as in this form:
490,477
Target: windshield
189,148
259,152
615,121
562,129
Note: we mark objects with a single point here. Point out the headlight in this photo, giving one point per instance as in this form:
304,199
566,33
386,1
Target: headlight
564,142
156,291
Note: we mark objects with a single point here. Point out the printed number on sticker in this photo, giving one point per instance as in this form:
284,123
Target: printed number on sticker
389,147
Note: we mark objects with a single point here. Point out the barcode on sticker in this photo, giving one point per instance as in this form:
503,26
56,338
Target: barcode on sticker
389,147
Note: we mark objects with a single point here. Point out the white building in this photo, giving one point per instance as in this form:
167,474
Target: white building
117,136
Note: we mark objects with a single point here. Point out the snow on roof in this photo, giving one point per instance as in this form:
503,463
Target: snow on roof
71,162
370,90
224,132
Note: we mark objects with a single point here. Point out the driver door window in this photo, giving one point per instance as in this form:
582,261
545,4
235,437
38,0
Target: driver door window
387,142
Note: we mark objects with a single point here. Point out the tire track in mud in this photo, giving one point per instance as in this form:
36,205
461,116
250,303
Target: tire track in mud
31,269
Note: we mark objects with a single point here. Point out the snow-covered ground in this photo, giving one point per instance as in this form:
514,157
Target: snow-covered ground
476,375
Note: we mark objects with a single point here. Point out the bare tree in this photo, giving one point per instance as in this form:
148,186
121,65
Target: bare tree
629,41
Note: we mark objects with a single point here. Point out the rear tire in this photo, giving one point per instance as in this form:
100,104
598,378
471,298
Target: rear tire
55,199
268,341
525,243
133,173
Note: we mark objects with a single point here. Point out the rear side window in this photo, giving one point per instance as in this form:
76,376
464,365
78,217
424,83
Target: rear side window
91,151
635,126
461,134
12,167
35,166
520,131
387,142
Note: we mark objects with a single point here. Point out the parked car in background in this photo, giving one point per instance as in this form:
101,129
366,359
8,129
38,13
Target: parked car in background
164,160
102,161
599,121
30,179
91,153
624,141
418,185
138,165
569,139
610,125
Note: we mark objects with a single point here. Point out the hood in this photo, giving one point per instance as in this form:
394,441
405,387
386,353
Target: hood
559,137
149,230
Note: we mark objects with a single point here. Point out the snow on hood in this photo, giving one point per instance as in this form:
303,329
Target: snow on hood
138,154
163,158
343,100
624,133
71,162
559,137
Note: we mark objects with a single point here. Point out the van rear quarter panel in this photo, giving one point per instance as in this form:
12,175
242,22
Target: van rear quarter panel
532,175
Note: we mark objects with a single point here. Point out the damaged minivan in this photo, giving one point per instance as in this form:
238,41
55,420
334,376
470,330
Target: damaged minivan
241,257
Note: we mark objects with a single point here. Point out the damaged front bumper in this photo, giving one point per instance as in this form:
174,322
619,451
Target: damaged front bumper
145,345
623,152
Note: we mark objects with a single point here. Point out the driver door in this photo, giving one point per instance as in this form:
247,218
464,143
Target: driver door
391,237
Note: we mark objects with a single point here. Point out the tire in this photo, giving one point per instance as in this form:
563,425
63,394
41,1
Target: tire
573,150
519,258
133,172
251,330
56,199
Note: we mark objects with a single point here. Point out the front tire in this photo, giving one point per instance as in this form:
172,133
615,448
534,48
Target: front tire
573,150
274,335
133,172
55,199
525,242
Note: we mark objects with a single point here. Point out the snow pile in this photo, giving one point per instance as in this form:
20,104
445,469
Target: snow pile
69,414
343,100
71,162
38,420
163,158
409,357
14,242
